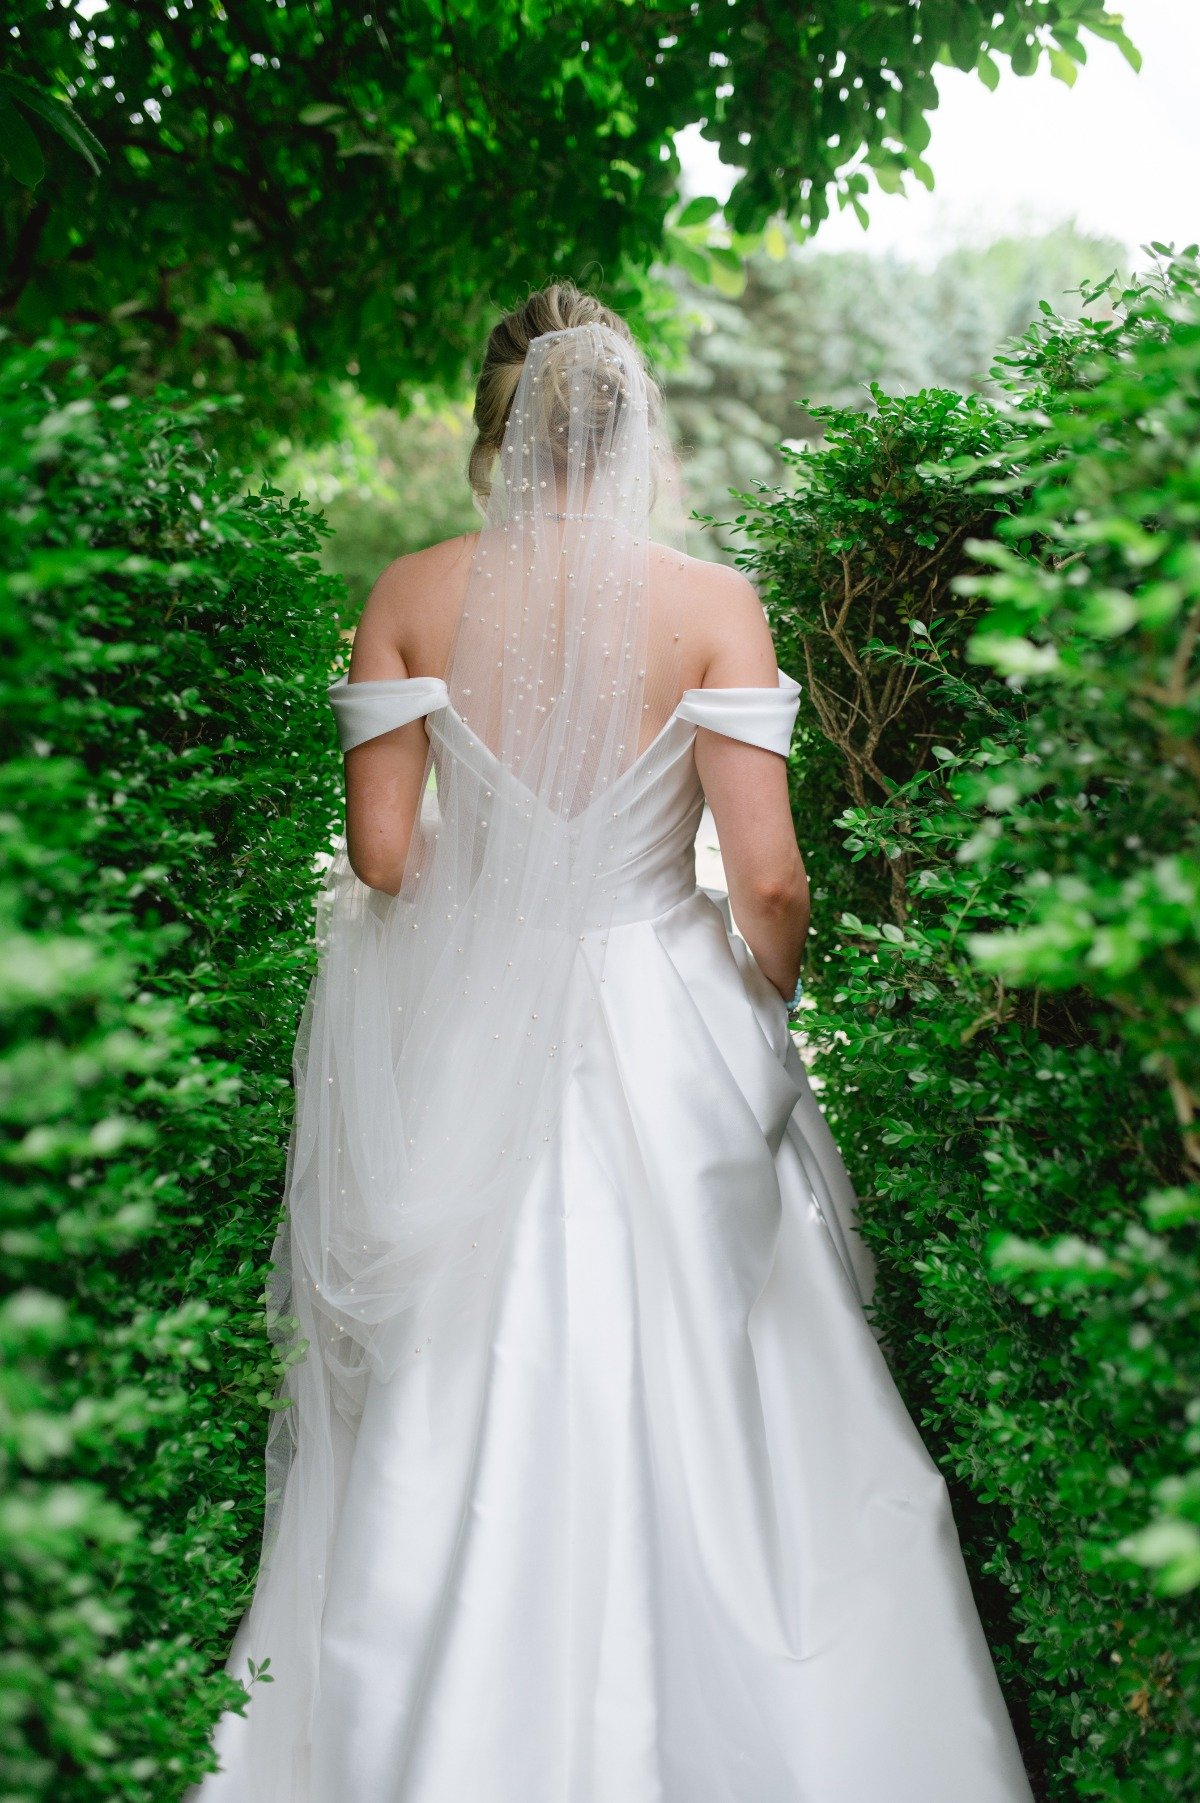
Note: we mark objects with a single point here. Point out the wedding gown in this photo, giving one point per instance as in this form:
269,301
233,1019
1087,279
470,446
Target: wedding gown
665,1532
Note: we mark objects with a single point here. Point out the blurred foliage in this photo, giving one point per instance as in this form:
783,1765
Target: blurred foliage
826,324
386,485
169,782
296,193
994,606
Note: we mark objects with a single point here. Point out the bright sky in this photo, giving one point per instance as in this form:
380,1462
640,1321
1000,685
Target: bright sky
1119,152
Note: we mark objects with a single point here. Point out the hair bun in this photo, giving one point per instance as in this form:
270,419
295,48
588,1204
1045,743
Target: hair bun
555,310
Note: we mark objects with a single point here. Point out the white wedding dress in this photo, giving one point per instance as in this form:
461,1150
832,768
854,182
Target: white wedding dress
664,1532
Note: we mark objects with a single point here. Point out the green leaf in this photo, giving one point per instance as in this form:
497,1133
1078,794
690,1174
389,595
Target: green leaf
1024,56
917,130
688,257
1113,29
1107,612
922,171
988,70
320,112
775,242
1172,1207
728,258
19,148
697,210
727,278
962,38
62,118
1063,67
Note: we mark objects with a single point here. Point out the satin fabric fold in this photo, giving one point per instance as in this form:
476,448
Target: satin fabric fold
669,1536
364,710
756,716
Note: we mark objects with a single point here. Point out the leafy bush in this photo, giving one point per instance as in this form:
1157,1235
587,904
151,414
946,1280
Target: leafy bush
169,783
996,613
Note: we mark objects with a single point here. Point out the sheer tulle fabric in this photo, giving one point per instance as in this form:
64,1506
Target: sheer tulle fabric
433,1054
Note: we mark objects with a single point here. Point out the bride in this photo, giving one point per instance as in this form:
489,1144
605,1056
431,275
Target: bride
592,1484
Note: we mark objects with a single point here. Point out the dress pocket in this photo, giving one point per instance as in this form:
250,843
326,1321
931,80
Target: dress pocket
769,1006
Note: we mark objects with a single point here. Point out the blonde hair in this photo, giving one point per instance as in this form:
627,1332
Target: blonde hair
549,309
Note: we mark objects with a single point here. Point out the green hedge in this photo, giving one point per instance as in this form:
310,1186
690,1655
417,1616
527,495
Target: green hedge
169,783
995,611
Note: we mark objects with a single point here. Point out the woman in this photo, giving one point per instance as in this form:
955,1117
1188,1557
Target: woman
594,1486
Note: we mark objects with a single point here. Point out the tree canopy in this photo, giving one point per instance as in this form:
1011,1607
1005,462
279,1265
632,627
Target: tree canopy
323,189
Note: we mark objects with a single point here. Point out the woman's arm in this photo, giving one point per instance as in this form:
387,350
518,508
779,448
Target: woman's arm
384,775
747,789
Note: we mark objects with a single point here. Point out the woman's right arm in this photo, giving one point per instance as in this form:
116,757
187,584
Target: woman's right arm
384,774
747,789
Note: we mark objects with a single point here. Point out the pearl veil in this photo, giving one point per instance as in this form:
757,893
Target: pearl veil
443,1023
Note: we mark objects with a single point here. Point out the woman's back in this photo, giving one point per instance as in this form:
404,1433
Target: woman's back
706,629
705,611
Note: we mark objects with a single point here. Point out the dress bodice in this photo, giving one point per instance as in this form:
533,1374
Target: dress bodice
661,788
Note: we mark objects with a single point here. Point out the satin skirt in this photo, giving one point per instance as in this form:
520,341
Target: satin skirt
663,1531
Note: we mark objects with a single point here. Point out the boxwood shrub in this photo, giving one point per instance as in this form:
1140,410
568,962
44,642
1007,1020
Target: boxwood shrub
995,611
169,784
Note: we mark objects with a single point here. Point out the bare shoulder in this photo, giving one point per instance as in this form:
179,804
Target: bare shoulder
726,625
409,579
727,592
409,615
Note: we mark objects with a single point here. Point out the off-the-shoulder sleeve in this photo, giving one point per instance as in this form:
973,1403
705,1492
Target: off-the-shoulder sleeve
363,710
758,716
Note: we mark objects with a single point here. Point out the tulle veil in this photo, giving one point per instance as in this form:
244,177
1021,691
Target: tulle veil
442,1023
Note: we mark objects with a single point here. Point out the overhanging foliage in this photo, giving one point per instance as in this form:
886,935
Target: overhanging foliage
316,189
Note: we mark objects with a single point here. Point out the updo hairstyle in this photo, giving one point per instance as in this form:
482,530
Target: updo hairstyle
550,309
